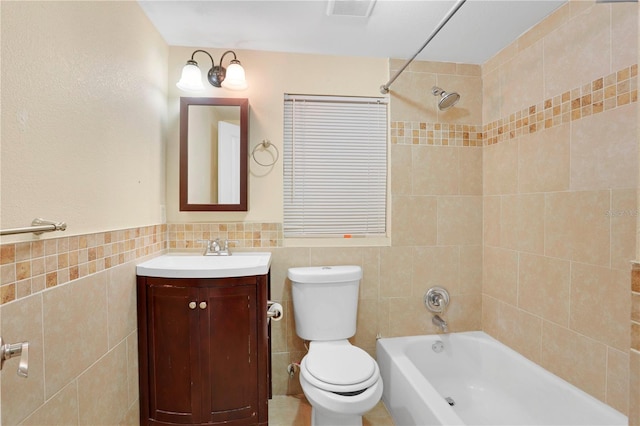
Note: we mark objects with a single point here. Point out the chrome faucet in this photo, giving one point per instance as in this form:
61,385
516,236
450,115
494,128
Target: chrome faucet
216,247
439,322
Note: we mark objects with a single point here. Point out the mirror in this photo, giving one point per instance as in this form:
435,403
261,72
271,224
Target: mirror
213,154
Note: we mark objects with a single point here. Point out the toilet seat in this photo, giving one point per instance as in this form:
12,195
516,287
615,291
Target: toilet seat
339,367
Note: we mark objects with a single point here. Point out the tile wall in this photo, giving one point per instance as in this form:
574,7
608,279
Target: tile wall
634,366
73,298
560,195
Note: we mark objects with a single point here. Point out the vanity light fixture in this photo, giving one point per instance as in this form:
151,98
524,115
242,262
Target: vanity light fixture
230,78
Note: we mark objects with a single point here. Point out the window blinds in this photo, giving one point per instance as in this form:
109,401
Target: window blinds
335,166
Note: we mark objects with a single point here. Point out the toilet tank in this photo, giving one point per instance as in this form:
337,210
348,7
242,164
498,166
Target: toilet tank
325,301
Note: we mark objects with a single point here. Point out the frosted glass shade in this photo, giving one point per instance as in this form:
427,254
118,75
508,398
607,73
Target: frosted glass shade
191,79
235,79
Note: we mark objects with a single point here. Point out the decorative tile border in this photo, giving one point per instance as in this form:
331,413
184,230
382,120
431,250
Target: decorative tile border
247,235
32,266
439,134
605,93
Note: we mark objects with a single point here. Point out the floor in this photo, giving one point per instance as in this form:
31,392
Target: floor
295,411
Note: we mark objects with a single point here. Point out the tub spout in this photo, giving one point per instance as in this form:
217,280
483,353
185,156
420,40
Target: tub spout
440,323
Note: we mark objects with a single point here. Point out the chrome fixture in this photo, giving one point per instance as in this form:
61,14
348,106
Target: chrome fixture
217,247
384,89
38,226
436,299
218,76
440,323
21,349
447,99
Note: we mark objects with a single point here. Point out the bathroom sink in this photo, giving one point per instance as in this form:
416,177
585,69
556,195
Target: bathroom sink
240,264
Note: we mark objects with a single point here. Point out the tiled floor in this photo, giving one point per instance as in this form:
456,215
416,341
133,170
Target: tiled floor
296,411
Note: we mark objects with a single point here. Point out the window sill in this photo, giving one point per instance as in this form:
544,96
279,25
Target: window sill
338,242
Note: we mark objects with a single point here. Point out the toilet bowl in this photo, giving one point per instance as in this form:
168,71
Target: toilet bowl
340,381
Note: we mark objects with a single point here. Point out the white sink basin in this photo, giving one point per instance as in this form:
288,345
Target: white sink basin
239,264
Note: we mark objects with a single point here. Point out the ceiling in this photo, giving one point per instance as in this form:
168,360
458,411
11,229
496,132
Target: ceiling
395,28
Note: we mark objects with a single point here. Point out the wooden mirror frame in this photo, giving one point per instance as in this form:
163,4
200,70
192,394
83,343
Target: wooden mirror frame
184,157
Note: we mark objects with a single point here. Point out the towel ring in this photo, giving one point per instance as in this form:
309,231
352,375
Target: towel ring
265,144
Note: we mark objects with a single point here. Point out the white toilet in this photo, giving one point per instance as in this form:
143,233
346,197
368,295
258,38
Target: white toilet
340,381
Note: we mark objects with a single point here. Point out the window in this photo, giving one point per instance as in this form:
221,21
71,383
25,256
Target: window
335,166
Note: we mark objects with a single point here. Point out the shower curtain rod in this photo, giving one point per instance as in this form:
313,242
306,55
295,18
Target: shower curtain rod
384,89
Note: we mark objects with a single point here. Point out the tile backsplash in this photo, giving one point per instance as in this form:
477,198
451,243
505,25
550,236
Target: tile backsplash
30,267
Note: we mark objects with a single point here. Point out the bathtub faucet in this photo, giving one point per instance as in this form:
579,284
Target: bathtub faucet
439,322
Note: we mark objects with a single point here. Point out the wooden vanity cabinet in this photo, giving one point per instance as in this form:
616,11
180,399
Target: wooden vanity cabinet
203,350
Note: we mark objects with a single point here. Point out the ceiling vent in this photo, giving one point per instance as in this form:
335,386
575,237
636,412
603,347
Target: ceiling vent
358,8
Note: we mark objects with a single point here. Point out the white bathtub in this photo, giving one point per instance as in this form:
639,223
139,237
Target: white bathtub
489,384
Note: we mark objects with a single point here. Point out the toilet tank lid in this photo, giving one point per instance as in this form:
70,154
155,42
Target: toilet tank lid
324,274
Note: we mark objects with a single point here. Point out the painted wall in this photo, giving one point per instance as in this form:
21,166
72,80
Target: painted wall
270,75
83,127
560,194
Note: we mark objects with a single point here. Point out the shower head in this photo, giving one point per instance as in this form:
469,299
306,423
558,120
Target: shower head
447,99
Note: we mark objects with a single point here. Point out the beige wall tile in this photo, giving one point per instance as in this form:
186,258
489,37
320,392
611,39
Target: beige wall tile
624,214
102,389
500,168
513,327
470,269
635,307
329,256
522,222
500,274
459,220
60,410
578,52
544,287
280,378
413,221
121,296
436,266
468,110
132,367
22,321
435,170
600,304
492,100
604,150
80,306
464,313
411,97
401,169
618,380
370,284
294,343
367,326
576,226
521,80
409,317
395,271
283,258
544,161
491,220
557,18
470,171
587,371
624,35
634,389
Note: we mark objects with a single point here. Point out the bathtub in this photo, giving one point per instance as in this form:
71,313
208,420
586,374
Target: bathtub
472,379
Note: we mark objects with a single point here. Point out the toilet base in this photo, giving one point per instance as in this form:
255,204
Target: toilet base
327,418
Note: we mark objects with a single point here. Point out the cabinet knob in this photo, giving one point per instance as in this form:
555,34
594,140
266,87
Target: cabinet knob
192,305
203,305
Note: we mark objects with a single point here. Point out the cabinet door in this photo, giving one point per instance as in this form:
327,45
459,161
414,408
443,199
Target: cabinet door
174,358
229,355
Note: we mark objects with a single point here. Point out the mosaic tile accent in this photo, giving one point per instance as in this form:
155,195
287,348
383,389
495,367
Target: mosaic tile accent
32,266
247,235
441,134
605,93
635,308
